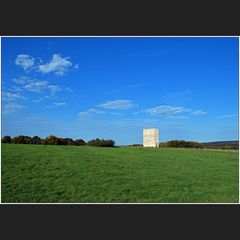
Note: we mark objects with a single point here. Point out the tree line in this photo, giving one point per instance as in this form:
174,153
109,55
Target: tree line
53,140
181,144
175,144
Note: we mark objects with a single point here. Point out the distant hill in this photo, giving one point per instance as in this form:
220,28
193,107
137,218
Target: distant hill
222,144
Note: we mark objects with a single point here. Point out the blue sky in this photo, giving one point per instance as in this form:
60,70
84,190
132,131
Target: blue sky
114,87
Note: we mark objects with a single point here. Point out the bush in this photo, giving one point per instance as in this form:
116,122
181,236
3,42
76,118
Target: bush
6,139
101,143
80,142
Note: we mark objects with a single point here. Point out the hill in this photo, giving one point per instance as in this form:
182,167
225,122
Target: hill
222,144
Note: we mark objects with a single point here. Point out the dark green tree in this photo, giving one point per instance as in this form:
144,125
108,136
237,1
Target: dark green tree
51,140
20,140
36,140
80,142
6,139
101,143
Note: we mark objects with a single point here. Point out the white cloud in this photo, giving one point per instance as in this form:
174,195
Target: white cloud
25,61
171,112
117,104
177,117
116,113
165,110
11,96
198,112
68,89
178,98
37,86
21,80
15,89
228,116
46,97
53,89
11,108
60,104
178,94
58,65
91,111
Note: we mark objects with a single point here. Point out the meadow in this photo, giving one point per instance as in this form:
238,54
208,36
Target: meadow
71,174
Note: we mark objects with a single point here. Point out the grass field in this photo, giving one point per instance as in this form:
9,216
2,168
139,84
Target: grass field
41,173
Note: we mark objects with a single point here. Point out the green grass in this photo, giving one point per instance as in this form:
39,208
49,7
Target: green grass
40,173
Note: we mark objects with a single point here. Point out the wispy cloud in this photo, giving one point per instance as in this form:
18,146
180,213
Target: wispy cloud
178,97
38,100
117,104
172,112
37,86
60,104
10,96
12,107
177,117
25,61
228,116
58,65
90,111
198,113
116,113
166,110
54,89
68,89
76,66
22,80
15,89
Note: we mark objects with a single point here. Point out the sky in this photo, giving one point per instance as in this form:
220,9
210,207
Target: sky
112,88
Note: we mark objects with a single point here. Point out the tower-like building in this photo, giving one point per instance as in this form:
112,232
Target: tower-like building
150,137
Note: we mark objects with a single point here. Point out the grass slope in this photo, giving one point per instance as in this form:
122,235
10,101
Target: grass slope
40,173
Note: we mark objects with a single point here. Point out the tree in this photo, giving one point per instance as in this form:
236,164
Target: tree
21,139
183,144
62,141
70,142
51,140
28,140
36,140
80,142
66,141
163,144
6,139
101,143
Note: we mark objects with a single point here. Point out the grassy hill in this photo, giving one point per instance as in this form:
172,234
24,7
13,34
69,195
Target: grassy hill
41,173
222,144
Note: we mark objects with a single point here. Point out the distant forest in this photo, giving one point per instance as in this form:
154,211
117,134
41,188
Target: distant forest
191,144
222,144
53,140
